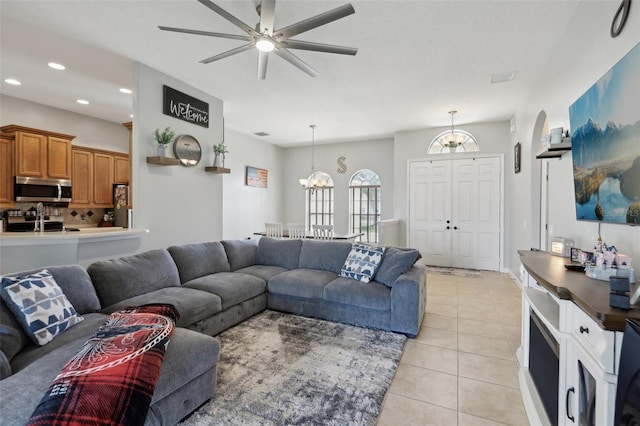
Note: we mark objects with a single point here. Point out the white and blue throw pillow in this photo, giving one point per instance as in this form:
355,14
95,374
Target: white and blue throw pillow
39,305
362,262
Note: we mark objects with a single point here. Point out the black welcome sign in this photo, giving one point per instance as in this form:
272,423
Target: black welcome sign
185,107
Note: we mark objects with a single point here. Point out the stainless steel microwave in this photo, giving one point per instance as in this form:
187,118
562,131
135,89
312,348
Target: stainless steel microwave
37,189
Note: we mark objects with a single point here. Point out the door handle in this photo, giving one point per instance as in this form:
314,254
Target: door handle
584,329
448,221
566,403
455,227
448,227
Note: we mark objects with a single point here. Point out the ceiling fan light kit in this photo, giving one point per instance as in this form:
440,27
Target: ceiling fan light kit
265,39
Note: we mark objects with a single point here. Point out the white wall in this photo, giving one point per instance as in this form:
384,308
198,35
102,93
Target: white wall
376,155
583,55
246,208
177,204
88,131
492,137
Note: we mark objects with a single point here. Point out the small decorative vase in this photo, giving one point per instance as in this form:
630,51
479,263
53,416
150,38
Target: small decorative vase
218,160
161,150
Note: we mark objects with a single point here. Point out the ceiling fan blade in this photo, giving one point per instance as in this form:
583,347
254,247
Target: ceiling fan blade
294,60
229,17
205,33
319,47
263,60
316,21
267,17
227,53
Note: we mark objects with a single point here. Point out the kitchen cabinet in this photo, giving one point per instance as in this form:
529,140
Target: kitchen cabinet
6,170
40,153
93,174
121,166
103,179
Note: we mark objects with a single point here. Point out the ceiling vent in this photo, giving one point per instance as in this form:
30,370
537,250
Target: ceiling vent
505,76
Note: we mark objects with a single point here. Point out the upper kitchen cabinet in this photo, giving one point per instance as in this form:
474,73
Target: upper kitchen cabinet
6,170
94,173
40,153
121,167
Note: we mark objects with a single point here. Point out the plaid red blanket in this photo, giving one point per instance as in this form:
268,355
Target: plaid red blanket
111,380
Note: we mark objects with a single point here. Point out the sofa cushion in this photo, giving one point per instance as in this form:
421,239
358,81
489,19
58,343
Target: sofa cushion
232,287
362,262
307,283
347,291
262,271
283,253
395,262
12,337
75,336
126,277
39,305
323,255
198,260
240,253
192,305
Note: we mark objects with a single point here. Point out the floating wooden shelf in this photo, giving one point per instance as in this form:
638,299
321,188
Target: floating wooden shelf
556,150
217,170
163,161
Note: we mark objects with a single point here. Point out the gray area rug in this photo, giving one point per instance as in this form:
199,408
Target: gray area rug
280,369
454,271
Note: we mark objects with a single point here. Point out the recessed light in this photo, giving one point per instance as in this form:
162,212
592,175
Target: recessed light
82,101
57,66
12,81
503,77
125,90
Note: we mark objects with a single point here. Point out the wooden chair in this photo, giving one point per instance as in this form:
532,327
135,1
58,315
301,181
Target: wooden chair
273,230
296,230
323,232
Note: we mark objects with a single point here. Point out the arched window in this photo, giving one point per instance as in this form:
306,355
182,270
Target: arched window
453,141
364,204
319,207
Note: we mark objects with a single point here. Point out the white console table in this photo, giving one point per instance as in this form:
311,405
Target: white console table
575,311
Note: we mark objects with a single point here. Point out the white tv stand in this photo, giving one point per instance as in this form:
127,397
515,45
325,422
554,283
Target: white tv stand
575,311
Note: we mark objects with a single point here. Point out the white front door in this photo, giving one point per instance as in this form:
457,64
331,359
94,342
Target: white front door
430,211
454,215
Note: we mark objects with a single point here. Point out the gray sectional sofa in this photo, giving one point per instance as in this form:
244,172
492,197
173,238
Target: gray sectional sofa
213,285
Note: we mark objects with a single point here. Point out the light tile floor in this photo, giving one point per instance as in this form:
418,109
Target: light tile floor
461,369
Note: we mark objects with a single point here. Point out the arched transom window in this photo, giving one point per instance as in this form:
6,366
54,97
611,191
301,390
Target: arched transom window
451,141
364,204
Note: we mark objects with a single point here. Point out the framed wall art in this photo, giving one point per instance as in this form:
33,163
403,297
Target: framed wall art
256,177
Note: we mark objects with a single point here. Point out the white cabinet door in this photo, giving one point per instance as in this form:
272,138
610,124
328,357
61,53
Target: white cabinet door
590,392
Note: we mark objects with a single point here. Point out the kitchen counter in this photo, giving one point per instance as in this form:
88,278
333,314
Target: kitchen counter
106,233
20,251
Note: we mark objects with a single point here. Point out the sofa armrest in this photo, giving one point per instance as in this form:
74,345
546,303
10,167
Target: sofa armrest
5,367
409,300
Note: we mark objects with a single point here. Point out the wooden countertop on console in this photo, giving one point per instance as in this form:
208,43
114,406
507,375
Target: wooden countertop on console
589,294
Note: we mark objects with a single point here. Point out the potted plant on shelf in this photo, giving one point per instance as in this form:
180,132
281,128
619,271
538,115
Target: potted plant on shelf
220,150
163,139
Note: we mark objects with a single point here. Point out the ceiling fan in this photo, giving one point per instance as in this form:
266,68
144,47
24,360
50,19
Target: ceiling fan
266,39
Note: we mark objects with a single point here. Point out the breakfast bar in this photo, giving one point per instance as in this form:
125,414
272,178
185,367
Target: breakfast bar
27,250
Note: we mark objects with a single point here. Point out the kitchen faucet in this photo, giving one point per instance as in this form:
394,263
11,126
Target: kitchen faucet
39,225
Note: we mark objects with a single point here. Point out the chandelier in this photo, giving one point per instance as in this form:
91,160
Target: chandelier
452,141
314,181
